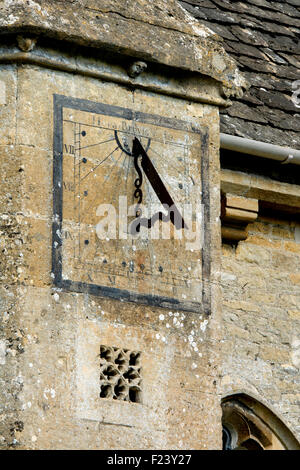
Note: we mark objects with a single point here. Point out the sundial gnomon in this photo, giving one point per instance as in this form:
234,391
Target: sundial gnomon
94,150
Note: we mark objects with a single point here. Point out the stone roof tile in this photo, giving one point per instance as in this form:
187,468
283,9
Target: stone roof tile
238,7
268,14
267,81
288,72
249,36
283,43
265,42
246,112
285,8
276,100
218,15
257,65
261,3
196,12
281,119
293,2
249,98
221,30
261,132
292,59
247,49
273,56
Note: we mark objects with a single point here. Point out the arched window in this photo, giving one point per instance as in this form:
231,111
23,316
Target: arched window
250,425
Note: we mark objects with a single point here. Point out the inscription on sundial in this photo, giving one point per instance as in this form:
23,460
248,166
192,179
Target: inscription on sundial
115,172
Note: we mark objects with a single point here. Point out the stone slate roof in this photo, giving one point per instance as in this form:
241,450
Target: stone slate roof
264,38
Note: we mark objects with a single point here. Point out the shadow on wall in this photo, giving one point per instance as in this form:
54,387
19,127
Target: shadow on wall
250,425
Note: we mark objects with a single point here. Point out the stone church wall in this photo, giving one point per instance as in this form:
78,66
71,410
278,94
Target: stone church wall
51,340
261,319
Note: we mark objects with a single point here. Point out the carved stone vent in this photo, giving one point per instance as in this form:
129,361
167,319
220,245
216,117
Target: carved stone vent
120,374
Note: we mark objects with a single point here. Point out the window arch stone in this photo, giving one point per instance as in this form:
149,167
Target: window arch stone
250,425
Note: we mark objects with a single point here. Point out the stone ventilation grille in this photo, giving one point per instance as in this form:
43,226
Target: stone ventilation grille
120,374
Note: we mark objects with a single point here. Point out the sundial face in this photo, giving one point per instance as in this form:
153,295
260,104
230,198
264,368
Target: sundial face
113,168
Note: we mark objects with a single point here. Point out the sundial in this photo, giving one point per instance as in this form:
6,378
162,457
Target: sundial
130,204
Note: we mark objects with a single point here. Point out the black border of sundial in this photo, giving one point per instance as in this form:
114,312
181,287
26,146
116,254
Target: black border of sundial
61,101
